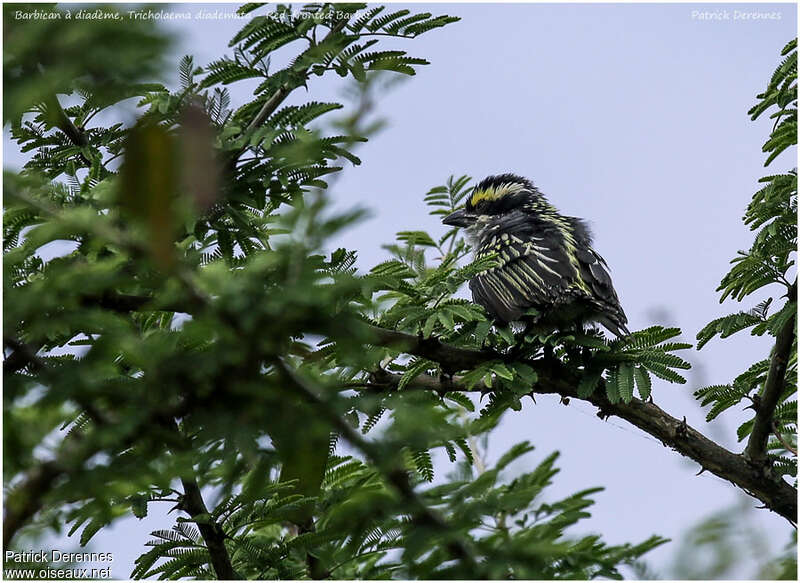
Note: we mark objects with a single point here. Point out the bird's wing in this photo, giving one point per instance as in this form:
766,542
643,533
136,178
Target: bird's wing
532,271
594,273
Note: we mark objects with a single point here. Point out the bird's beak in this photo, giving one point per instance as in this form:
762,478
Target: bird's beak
460,218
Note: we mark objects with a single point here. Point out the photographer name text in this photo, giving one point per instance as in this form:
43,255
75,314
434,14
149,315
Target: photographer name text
51,569
742,15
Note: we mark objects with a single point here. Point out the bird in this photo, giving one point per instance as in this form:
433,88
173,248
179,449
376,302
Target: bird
546,272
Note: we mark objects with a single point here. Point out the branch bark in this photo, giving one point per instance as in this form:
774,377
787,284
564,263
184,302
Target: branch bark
451,358
756,450
212,533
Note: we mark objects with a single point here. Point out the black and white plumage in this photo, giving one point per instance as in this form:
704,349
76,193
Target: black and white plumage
546,260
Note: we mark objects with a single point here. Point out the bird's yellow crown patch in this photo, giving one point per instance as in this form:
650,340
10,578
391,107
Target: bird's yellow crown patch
495,192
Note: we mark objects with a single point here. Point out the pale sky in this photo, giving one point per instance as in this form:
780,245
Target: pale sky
633,117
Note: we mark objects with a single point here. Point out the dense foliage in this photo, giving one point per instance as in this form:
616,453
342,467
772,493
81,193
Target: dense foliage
194,338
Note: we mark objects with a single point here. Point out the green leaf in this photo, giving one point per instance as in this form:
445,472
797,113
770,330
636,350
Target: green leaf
502,371
430,325
415,368
416,238
726,326
149,185
588,383
139,506
612,385
526,373
461,399
643,383
625,382
514,453
446,319
505,333
663,372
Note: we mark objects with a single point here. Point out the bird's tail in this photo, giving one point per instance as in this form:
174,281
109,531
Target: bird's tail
615,325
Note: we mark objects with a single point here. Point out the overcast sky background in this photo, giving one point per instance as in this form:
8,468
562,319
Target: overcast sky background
631,116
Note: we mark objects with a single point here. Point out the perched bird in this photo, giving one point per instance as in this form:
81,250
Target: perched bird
545,260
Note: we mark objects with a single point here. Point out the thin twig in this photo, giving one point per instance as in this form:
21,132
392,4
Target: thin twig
776,432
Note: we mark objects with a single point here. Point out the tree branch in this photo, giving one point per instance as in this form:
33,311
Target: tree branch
553,378
756,450
267,109
26,498
451,358
213,535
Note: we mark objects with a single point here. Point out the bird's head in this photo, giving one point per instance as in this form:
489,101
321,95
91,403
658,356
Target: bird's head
492,197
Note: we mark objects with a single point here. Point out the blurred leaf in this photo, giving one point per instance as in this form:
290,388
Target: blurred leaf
148,188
